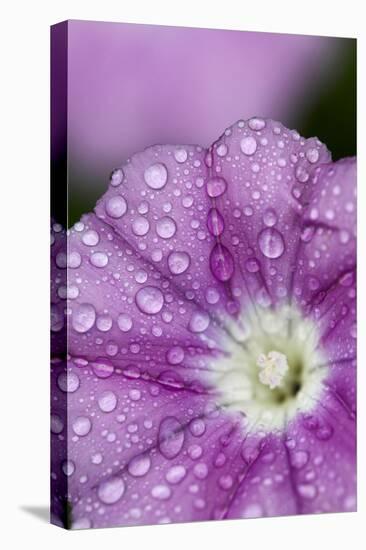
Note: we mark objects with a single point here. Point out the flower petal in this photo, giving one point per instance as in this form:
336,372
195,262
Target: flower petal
268,173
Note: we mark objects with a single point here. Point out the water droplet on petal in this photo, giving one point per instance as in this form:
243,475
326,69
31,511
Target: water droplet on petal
140,226
102,368
180,155
270,217
107,401
199,321
139,466
149,300
161,492
299,459
312,155
175,474
221,262
166,227
81,426
124,322
104,323
111,490
307,491
116,206
252,265
271,243
90,237
83,317
256,123
216,186
175,355
301,174
178,262
170,437
68,382
156,176
116,177
215,222
57,424
248,145
68,467
99,259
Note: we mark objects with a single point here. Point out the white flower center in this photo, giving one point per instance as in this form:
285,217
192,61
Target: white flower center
272,367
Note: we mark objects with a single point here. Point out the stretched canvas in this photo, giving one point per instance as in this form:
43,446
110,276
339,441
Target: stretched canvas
203,274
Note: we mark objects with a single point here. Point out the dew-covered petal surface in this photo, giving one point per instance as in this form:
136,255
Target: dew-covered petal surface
268,170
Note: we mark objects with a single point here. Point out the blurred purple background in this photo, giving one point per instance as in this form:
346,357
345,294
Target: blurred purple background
130,86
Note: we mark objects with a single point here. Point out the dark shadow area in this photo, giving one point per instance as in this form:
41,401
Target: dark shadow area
40,512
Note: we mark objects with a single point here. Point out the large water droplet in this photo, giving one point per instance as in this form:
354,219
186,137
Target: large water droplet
271,243
175,474
111,490
221,262
248,145
102,368
107,401
166,227
99,259
178,262
140,226
256,123
124,322
139,466
83,317
149,300
170,437
81,426
90,237
68,382
156,176
116,206
216,186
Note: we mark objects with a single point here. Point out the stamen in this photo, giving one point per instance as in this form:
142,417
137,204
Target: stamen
273,368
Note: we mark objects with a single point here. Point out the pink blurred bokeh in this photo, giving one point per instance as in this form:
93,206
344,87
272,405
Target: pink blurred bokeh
130,86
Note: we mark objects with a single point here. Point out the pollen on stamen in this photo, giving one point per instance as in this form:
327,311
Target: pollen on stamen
273,368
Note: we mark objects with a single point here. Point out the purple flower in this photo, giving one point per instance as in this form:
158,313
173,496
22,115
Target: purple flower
210,313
